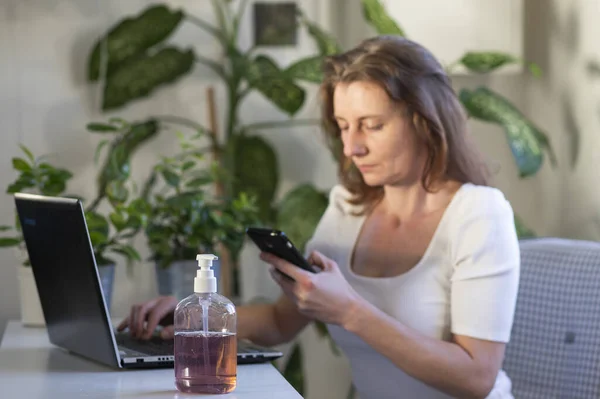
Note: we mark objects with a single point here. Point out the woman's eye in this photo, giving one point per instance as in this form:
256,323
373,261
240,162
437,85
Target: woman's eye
375,127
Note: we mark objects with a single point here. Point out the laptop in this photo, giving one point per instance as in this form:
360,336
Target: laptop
70,292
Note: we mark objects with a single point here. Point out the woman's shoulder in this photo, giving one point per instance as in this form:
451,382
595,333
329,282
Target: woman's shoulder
482,200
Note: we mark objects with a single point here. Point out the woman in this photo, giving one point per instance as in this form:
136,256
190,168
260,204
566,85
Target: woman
419,257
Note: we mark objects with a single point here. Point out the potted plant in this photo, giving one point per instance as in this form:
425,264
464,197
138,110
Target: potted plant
136,47
36,176
109,237
107,234
185,218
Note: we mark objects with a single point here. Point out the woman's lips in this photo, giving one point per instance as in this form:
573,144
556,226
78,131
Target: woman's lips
365,168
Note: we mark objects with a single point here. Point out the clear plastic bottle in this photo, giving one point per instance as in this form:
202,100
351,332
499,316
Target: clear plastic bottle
205,337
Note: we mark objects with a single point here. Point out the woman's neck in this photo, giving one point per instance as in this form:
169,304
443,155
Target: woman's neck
412,200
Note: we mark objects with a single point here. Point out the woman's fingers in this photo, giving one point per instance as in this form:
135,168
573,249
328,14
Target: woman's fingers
285,267
286,284
132,320
155,315
123,324
318,259
137,317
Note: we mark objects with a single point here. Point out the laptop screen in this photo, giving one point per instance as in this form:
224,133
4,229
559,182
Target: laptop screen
63,264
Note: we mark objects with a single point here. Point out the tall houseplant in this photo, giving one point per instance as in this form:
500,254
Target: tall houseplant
137,60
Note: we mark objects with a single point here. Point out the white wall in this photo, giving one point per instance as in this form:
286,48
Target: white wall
45,103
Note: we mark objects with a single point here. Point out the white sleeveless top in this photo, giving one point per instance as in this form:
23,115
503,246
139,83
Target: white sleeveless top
465,284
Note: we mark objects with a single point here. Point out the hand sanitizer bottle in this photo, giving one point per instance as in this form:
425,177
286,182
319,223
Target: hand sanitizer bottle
205,337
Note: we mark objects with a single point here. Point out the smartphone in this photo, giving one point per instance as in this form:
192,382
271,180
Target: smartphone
277,243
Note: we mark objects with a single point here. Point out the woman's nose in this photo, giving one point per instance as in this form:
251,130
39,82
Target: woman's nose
353,145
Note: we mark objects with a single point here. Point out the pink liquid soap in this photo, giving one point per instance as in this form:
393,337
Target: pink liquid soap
205,362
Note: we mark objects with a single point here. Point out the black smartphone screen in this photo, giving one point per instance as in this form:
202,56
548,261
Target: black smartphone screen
277,243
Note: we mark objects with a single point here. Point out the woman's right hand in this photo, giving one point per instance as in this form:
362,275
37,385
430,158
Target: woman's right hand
145,317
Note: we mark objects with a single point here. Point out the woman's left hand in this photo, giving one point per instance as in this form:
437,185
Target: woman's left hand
325,295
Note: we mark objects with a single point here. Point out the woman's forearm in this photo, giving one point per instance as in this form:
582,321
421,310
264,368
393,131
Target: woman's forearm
258,324
270,324
443,365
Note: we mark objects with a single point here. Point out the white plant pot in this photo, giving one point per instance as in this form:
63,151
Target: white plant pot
31,309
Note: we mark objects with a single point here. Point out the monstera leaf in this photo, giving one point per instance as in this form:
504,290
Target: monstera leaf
132,37
139,77
376,15
525,139
264,75
255,171
299,213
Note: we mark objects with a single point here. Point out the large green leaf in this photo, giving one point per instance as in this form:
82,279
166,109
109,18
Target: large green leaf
97,226
484,62
256,171
487,61
299,213
9,241
101,127
308,69
133,36
116,167
376,15
139,77
525,139
21,165
264,75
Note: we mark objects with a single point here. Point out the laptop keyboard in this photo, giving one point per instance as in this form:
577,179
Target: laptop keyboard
155,346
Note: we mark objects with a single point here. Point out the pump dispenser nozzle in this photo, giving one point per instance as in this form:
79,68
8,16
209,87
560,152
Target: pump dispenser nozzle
205,280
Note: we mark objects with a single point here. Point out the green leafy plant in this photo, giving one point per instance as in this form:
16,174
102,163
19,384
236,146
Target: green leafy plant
138,62
124,139
183,217
108,234
36,176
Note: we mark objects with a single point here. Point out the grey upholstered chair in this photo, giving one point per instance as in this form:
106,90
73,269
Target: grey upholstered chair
554,350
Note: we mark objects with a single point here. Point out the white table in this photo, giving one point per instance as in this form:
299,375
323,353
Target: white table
32,368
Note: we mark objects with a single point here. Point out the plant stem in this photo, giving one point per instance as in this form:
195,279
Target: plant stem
182,121
95,203
204,25
238,17
276,124
221,19
232,110
212,65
